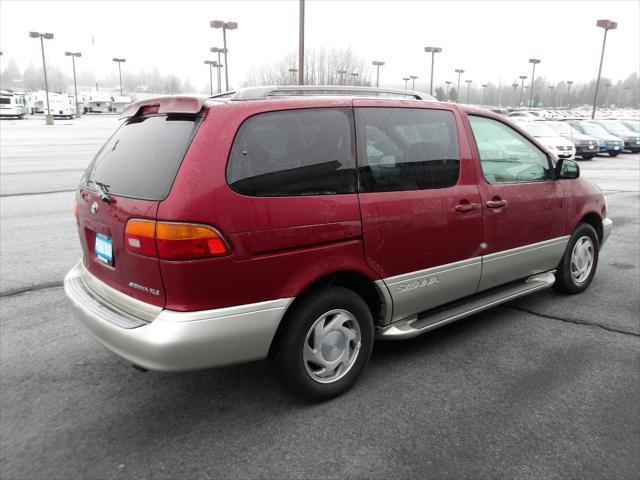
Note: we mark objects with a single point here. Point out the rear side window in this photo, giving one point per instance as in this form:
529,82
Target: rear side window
142,158
406,149
294,152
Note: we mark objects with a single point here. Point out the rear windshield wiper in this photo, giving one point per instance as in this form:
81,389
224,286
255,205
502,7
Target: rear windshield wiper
102,190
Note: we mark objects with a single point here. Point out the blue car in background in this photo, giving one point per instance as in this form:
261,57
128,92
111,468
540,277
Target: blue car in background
608,143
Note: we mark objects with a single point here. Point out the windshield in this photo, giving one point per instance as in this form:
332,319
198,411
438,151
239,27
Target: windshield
563,128
142,158
538,130
593,129
633,125
615,126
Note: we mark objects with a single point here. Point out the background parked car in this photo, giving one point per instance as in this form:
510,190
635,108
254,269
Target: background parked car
608,143
617,128
562,147
632,124
587,147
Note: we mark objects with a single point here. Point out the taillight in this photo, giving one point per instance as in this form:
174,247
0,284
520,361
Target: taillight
139,237
183,241
174,241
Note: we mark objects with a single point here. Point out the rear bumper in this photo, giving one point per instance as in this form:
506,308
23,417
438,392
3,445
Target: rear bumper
176,341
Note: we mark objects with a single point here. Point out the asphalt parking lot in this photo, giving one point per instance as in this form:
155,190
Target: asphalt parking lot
543,387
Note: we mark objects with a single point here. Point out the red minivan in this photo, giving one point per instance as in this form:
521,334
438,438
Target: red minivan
300,223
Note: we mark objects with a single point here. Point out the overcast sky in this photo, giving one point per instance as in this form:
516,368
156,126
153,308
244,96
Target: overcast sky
490,40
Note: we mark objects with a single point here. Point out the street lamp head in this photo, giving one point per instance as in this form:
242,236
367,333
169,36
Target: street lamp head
406,78
211,62
448,82
514,84
48,36
523,77
534,60
459,70
119,60
293,70
221,24
569,82
432,49
354,74
72,54
607,24
468,81
34,34
551,87
218,50
377,63
485,85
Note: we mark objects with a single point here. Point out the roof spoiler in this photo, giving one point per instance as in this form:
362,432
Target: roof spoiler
166,104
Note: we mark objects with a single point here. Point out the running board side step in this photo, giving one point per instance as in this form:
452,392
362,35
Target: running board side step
424,322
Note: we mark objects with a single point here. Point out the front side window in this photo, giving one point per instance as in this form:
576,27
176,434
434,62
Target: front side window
505,155
406,149
294,152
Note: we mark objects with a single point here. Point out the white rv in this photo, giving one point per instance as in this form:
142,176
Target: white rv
12,105
118,103
62,105
95,102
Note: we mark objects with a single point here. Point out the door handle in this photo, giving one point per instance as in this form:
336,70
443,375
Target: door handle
496,203
465,207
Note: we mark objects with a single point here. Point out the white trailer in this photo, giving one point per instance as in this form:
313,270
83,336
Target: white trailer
12,105
96,102
62,105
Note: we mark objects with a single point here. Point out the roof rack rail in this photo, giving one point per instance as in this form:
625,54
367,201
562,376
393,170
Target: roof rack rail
259,93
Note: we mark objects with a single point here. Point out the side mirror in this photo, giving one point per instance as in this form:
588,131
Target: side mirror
567,169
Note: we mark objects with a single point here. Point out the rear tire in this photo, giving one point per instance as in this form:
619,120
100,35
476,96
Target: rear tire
587,157
614,154
635,150
580,260
325,344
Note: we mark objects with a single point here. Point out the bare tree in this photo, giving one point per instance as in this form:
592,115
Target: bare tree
322,67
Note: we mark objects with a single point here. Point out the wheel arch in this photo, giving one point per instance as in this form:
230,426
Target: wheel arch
374,293
595,221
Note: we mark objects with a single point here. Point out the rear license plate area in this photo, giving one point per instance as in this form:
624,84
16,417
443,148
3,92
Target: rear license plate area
104,248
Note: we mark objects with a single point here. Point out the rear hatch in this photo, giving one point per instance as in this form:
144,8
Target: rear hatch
128,178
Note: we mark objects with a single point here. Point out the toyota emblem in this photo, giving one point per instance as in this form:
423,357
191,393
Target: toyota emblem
94,207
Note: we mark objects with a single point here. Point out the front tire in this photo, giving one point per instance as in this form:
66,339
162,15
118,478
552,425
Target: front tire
614,154
325,344
578,265
587,157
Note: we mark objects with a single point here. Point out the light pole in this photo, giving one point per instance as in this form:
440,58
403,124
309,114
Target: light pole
468,85
377,64
626,95
341,73
224,26
522,79
301,43
73,56
119,61
406,79
533,61
607,25
413,81
459,71
211,63
42,36
219,66
447,83
484,89
432,51
355,77
569,83
293,72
